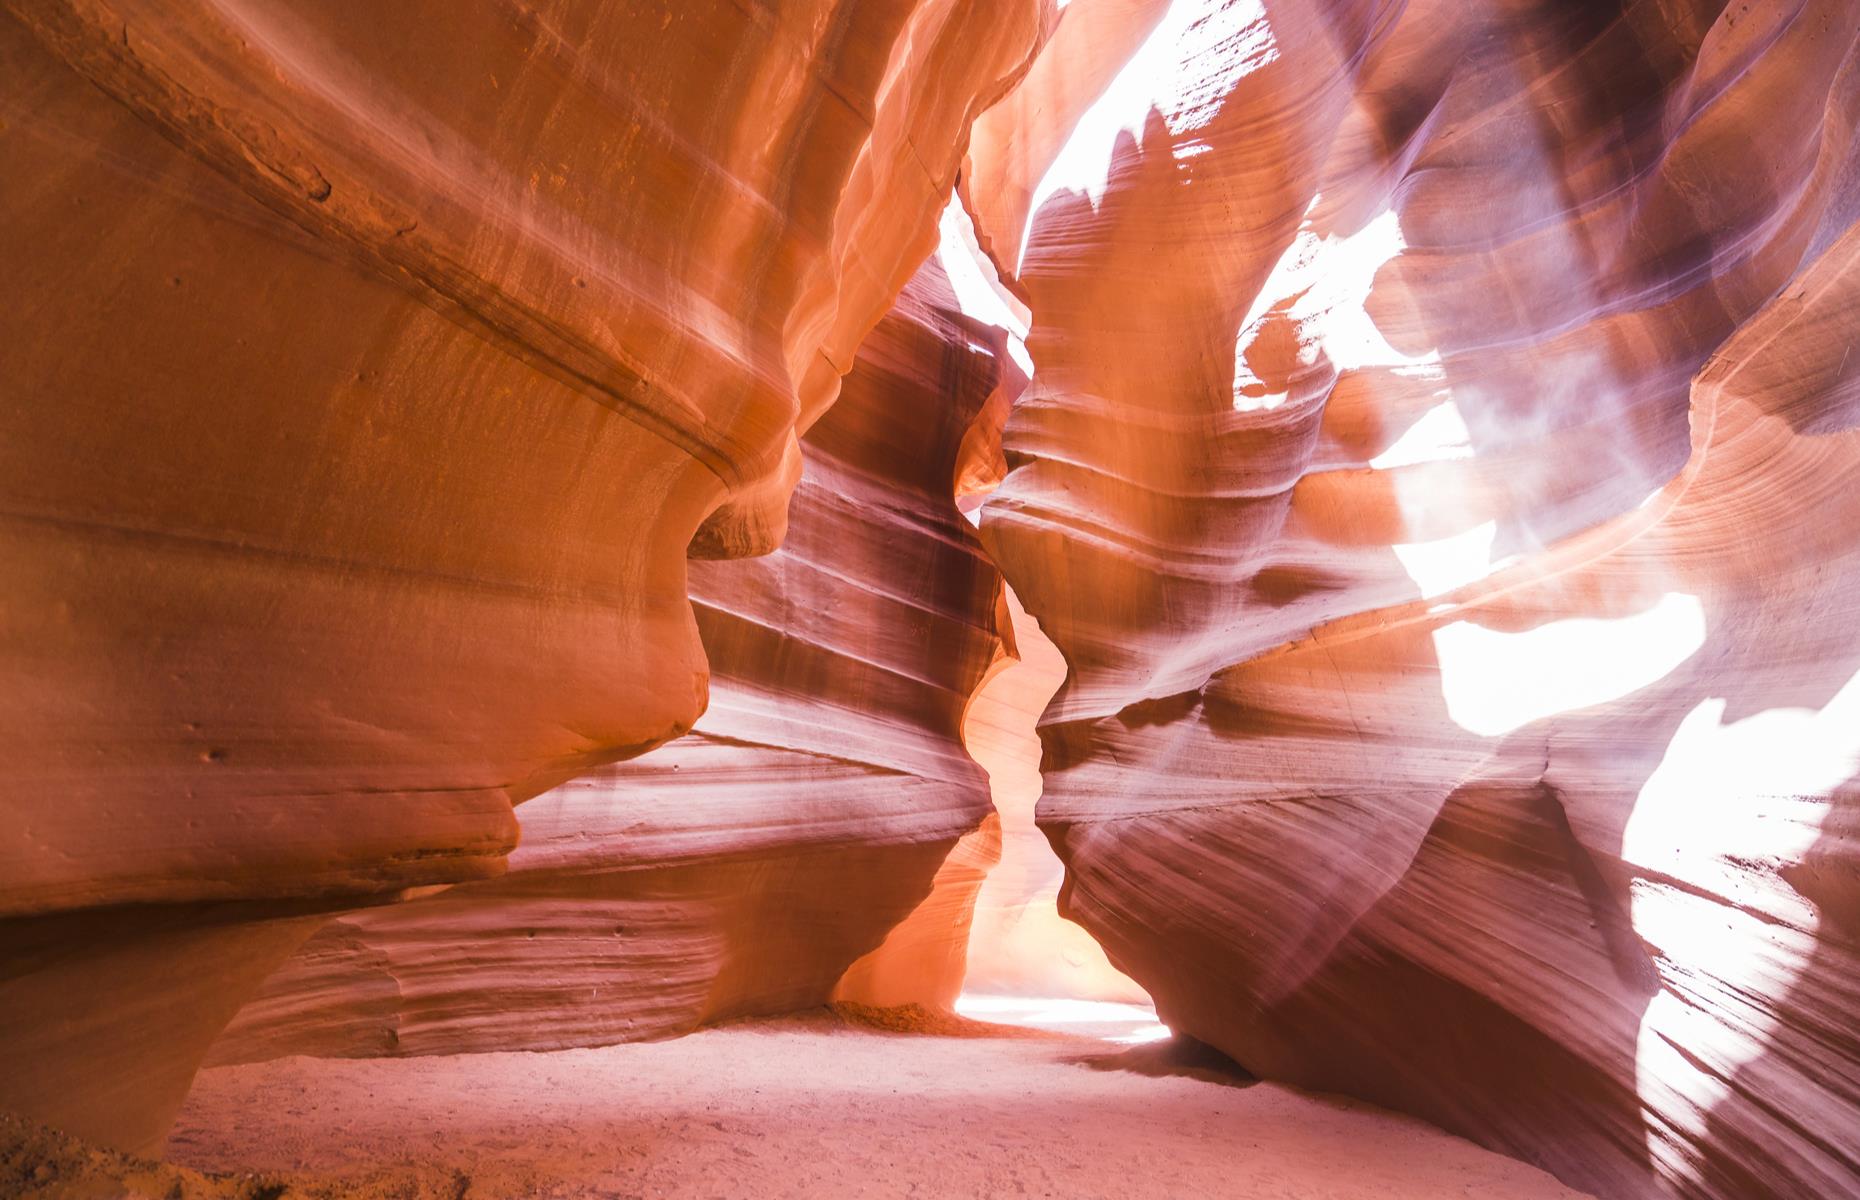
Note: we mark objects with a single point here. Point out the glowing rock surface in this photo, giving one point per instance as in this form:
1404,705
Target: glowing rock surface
743,868
366,383
1438,473
1438,476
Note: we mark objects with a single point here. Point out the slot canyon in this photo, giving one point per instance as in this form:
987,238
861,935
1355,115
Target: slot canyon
1126,598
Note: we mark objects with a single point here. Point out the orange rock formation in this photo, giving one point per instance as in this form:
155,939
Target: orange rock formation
743,868
1439,476
370,379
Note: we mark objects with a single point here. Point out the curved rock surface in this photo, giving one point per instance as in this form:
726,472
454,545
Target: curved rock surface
367,383
1019,945
1438,475
743,868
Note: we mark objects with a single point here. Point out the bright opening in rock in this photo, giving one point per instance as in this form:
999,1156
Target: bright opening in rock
510,684
1027,964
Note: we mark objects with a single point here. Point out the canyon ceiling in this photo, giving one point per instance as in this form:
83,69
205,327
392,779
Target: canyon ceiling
1426,431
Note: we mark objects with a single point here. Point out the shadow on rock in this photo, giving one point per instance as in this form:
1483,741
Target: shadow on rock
1179,1055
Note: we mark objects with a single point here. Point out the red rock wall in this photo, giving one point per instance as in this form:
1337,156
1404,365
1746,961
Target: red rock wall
743,868
367,382
1438,476
1018,943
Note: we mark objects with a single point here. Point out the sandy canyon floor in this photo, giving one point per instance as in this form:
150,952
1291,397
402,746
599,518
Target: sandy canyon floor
817,1106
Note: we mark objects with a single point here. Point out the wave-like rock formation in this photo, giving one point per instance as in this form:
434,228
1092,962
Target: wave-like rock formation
1440,477
366,381
1439,474
743,868
1018,942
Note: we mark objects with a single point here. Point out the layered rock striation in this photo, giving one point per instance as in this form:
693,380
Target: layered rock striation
743,868
1437,477
367,383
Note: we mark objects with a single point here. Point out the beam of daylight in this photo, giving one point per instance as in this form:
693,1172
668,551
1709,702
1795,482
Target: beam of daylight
1158,76
1726,805
970,276
1494,681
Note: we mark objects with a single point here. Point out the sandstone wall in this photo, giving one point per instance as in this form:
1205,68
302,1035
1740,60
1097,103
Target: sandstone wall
743,868
1438,474
366,383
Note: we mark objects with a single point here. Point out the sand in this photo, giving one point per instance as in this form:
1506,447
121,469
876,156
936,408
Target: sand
814,1106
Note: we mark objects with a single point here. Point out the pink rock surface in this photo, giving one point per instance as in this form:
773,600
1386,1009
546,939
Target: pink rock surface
368,382
1437,477
1019,945
743,868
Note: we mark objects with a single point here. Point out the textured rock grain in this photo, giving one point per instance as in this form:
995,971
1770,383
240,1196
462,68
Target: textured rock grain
1438,474
367,381
743,868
